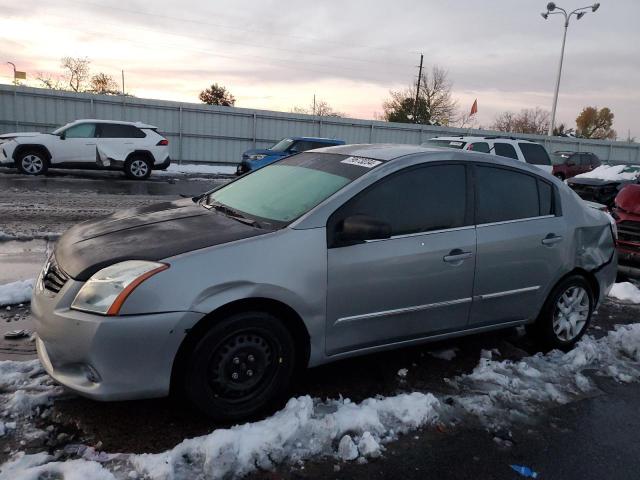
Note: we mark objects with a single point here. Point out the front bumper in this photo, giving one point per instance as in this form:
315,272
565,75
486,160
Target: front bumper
107,358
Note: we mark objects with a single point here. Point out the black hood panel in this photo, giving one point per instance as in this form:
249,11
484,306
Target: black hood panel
148,233
595,182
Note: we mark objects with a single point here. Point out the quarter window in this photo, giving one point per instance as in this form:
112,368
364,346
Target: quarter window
415,200
503,195
535,154
114,130
83,130
505,150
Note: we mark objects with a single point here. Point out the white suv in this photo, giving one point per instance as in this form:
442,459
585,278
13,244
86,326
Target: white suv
518,149
136,148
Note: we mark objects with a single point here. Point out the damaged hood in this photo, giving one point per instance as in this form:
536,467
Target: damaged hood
149,233
629,199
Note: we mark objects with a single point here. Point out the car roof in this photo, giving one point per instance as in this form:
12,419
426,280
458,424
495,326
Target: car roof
318,139
115,122
471,138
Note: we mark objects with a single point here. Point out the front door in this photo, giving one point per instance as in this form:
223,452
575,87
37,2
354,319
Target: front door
521,245
414,284
78,145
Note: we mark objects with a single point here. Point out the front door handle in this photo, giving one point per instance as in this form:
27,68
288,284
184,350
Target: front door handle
457,255
551,239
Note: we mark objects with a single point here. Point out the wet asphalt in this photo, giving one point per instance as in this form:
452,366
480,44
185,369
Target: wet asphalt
594,437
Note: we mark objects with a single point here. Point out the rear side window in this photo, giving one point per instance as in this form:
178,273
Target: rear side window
114,130
479,147
505,150
595,161
535,154
303,146
415,200
503,195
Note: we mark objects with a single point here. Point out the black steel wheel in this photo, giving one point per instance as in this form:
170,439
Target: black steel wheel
241,367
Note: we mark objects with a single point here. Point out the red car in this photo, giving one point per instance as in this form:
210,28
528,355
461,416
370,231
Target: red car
627,215
570,164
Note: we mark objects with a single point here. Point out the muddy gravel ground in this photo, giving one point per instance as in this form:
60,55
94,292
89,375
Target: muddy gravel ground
594,436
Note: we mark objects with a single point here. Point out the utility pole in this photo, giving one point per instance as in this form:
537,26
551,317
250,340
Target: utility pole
415,105
123,83
314,103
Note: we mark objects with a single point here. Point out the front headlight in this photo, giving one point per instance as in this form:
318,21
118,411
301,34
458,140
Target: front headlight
258,156
106,291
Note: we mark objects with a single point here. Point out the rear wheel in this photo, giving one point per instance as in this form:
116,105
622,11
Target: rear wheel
32,162
566,314
241,367
137,168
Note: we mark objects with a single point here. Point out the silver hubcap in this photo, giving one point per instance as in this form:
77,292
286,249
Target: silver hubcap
139,168
32,164
572,312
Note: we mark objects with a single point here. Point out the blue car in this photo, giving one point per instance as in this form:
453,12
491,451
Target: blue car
259,157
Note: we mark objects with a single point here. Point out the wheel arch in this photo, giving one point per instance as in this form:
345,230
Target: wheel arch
146,154
292,320
591,279
31,146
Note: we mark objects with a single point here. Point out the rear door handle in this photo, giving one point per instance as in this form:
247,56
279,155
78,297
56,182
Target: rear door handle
457,255
551,239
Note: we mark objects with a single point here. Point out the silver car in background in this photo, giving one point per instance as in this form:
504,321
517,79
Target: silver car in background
324,255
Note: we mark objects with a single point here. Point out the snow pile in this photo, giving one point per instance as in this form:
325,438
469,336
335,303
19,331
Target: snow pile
612,173
497,392
186,169
625,291
16,292
24,387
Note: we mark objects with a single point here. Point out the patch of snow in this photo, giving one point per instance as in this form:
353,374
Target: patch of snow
187,168
16,292
447,354
612,173
625,291
368,446
403,372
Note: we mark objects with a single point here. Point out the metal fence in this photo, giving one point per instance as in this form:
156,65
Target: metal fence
203,133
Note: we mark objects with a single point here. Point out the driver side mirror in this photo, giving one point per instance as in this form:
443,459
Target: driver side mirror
359,228
63,136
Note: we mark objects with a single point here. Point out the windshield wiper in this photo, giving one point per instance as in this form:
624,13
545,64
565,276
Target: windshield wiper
231,213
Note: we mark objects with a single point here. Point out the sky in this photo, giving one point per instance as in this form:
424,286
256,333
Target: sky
276,54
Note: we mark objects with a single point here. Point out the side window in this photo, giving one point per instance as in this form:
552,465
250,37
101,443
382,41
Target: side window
535,154
595,161
479,147
320,145
114,130
415,200
505,150
503,194
83,130
585,159
302,146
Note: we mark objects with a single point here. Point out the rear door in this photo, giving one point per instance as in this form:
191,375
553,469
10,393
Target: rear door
117,141
521,241
414,284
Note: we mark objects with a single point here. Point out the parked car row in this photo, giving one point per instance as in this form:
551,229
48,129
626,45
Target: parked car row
135,148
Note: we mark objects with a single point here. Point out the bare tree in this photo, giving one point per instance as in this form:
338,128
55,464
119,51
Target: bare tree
435,103
76,72
321,109
103,84
49,81
534,120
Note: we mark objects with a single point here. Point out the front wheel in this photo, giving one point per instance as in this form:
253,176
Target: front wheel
565,315
241,367
32,162
137,168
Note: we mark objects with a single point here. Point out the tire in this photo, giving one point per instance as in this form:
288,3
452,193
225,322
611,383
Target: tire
560,176
241,367
32,162
565,315
137,168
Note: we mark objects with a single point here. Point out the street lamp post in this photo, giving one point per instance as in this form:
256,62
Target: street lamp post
553,9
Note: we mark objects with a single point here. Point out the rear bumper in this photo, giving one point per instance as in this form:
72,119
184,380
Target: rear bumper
163,165
606,276
107,358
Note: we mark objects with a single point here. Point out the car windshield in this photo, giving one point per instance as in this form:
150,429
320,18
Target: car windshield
559,158
445,143
282,145
61,129
283,191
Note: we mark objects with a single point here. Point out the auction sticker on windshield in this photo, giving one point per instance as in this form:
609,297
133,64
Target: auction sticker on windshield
361,162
